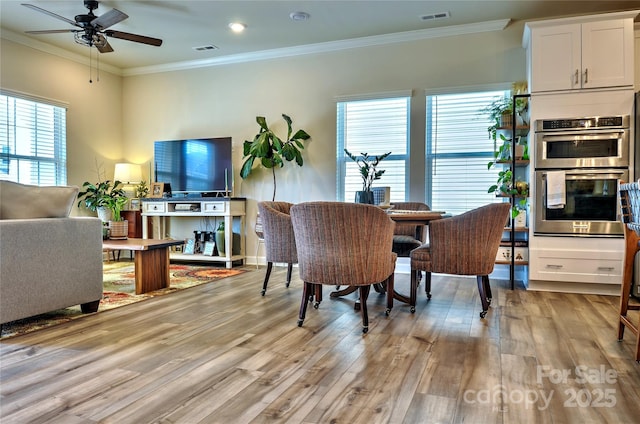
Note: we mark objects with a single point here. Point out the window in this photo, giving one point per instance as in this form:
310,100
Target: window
458,151
33,141
373,126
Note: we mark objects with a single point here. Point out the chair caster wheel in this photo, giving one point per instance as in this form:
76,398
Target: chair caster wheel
300,321
356,306
412,309
288,284
263,292
483,314
316,305
387,312
365,329
428,296
489,300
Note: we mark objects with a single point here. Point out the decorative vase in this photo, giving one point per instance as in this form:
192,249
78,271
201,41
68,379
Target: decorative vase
119,230
220,242
364,197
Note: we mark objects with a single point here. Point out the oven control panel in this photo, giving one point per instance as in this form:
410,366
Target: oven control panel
594,122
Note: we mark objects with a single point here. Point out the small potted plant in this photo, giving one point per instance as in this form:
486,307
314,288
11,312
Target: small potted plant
368,172
107,201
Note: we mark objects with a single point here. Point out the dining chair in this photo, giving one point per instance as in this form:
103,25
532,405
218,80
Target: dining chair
630,215
279,241
407,237
343,244
464,244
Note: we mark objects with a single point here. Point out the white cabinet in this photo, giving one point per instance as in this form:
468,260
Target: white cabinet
581,53
179,218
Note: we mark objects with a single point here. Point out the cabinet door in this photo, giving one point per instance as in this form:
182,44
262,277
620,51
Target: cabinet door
555,56
607,53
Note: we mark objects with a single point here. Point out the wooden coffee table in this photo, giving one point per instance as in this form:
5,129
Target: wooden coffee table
151,260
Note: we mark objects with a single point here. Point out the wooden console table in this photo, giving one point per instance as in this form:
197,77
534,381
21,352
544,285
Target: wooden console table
151,261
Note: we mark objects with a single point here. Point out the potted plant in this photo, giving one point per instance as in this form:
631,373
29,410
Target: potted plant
108,201
141,190
505,187
368,172
271,150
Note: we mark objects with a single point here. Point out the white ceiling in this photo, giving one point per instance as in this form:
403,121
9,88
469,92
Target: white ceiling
183,25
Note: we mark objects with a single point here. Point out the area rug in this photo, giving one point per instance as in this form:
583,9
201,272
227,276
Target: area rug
119,290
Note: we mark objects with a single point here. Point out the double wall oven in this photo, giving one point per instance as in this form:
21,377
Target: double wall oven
593,154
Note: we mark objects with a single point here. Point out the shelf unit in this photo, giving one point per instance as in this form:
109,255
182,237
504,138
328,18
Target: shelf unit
178,218
515,239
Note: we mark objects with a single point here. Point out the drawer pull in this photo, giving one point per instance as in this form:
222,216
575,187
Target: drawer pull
552,266
605,268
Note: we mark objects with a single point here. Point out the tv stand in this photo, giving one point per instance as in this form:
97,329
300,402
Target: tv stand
178,218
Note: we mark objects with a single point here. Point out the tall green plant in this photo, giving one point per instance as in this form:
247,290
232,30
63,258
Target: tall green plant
271,150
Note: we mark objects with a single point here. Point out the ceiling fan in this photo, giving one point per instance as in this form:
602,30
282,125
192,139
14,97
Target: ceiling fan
92,30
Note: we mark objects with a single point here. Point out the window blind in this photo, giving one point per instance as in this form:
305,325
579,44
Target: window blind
373,126
458,150
32,142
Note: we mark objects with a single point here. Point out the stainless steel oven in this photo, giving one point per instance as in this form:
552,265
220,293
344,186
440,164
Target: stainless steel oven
596,142
591,155
591,206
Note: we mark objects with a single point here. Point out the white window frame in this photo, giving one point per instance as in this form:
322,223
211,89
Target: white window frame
432,155
47,146
343,161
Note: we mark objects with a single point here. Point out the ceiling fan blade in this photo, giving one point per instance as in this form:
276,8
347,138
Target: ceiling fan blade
134,37
46,12
112,17
104,47
51,31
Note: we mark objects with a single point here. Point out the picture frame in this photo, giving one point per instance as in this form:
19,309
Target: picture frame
209,248
157,190
134,204
189,246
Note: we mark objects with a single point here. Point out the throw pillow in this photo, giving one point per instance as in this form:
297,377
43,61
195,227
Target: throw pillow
21,201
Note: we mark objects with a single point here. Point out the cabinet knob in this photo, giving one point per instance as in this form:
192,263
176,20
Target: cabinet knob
575,78
586,75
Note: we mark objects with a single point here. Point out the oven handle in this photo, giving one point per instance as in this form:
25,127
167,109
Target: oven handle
582,136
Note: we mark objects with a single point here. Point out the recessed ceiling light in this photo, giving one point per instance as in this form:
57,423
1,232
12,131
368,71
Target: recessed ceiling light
237,26
299,16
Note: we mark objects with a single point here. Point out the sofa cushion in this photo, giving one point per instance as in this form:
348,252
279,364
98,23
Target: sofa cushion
29,201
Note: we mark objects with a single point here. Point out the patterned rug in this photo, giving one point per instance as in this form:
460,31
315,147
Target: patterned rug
119,290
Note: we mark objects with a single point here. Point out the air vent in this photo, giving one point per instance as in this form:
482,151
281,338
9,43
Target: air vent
203,48
435,16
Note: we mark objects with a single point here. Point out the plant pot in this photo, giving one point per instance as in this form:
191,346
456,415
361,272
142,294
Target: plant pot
364,197
119,230
104,214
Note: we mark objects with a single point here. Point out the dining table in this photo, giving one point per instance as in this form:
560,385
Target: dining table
419,218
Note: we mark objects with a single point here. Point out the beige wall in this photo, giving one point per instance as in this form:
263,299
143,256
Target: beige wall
94,118
119,118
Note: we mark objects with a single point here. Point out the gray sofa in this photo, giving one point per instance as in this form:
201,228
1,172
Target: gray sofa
48,260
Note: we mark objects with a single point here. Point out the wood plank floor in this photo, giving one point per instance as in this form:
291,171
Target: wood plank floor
221,353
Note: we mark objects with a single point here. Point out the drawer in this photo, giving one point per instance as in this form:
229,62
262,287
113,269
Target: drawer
154,207
215,207
587,270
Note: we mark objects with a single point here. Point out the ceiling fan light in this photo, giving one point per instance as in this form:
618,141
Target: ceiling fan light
237,26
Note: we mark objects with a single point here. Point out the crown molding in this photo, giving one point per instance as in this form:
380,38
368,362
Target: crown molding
56,51
377,40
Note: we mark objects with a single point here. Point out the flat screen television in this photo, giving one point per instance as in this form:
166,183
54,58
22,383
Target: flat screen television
194,166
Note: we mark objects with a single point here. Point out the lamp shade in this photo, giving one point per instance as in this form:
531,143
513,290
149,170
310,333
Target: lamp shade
127,173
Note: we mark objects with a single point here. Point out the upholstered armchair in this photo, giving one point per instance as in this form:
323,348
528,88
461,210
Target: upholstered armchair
343,244
407,237
279,241
465,244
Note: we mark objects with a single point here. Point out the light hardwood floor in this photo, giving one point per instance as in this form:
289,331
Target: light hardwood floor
221,353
